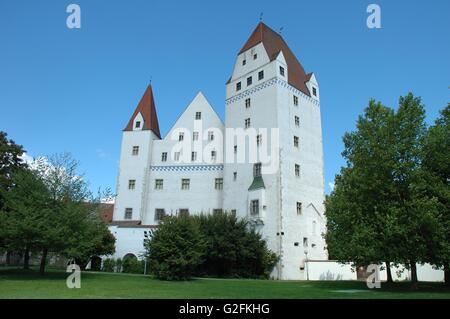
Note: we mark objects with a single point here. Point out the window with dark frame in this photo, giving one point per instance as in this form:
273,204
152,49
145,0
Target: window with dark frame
295,141
164,157
244,62
238,86
183,212
138,124
218,184
185,183
195,136
297,170
128,213
160,213
281,71
181,136
249,80
159,183
256,169
297,121
247,103
299,208
261,75
254,207
131,184
135,150
198,115
194,156
234,176
295,100
247,123
314,91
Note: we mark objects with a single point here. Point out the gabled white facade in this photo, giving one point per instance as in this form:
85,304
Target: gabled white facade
284,203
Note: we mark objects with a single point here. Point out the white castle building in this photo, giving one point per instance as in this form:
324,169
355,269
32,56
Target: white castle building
265,163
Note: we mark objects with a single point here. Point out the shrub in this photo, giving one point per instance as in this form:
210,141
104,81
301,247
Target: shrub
109,265
133,266
118,265
175,249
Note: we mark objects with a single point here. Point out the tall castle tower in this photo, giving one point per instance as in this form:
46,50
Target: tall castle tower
274,101
135,157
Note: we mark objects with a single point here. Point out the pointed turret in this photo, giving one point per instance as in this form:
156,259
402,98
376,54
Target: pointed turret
147,110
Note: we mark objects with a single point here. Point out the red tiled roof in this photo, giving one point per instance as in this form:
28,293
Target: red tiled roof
148,110
274,43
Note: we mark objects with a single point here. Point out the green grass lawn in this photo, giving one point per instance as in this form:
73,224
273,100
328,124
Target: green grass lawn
16,283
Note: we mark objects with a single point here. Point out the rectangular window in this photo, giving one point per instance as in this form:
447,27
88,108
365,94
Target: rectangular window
218,183
247,103
185,183
254,207
159,183
235,149
135,150
195,136
238,86
177,156
210,136
259,139
244,62
299,208
297,121
247,123
314,91
217,211
159,214
295,100
249,80
131,184
184,212
164,157
138,124
181,137
213,155
234,176
198,115
260,75
128,213
194,156
233,212
281,71
297,170
296,141
305,242
256,169
255,56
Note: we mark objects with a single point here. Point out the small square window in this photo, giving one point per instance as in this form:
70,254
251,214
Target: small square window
314,91
185,183
164,157
128,213
238,86
244,62
247,103
295,141
160,213
198,115
299,208
297,121
131,184
159,183
218,183
249,80
281,71
138,124
135,150
195,136
260,75
295,100
255,56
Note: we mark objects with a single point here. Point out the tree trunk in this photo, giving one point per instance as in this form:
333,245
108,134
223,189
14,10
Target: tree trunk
26,259
43,261
388,272
447,274
414,281
8,258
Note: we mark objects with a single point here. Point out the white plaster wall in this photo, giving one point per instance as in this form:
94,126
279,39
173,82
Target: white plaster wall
128,240
329,270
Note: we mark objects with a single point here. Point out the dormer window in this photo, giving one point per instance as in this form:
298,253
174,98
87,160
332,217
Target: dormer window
281,71
314,91
138,124
238,86
255,56
198,115
249,81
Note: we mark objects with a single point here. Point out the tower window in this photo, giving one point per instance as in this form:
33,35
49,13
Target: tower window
261,75
295,141
138,124
247,123
177,156
194,156
249,80
255,56
185,183
256,169
295,100
131,184
305,242
238,86
128,213
254,207
297,121
218,183
213,155
195,136
135,150
299,208
234,176
258,139
297,170
244,62
159,183
247,103
181,137
198,115
164,157
183,212
314,91
210,135
281,71
235,149
160,213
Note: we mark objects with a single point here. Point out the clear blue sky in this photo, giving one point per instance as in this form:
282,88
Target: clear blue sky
74,90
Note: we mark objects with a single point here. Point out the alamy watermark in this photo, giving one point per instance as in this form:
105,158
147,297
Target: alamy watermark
73,21
374,19
74,279
373,280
